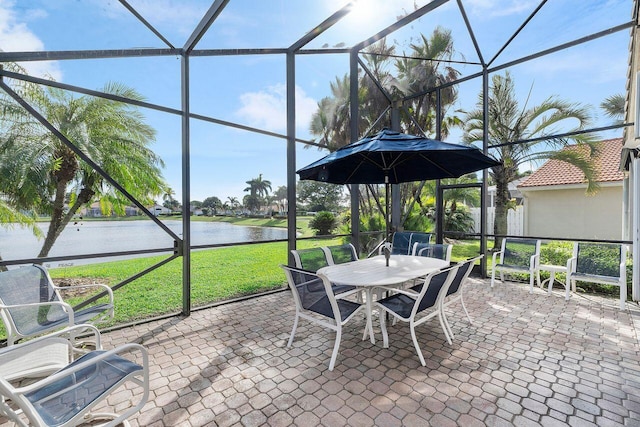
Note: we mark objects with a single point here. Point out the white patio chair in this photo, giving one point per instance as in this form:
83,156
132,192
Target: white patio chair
31,305
435,250
402,242
315,301
311,259
517,256
68,396
410,306
339,254
602,263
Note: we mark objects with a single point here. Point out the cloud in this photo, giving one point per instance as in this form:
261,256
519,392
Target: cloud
267,109
15,36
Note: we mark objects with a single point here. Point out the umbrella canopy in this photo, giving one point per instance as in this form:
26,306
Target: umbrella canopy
392,157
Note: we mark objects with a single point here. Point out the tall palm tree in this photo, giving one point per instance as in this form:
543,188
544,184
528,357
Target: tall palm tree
112,134
511,122
258,190
425,69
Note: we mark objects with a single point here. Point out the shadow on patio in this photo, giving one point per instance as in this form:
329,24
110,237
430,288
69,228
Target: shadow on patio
526,360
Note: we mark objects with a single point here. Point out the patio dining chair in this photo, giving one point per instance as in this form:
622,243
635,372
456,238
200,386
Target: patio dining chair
402,242
339,254
601,263
31,304
68,396
410,306
435,250
454,293
311,259
517,256
316,302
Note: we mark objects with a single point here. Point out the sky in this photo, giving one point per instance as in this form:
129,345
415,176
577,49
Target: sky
250,89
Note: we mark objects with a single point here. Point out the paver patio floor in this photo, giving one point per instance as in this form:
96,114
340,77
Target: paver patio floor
527,359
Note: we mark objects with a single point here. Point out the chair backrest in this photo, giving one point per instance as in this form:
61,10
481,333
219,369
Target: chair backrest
311,292
462,274
311,259
400,243
340,254
434,289
28,285
403,241
518,252
436,250
599,259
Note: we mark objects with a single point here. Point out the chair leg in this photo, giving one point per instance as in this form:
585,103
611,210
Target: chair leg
623,294
416,345
464,307
446,323
336,347
444,327
532,277
493,276
383,328
293,331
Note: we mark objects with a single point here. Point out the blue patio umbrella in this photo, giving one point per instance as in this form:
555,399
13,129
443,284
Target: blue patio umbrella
391,157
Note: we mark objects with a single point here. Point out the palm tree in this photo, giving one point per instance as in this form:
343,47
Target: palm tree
421,72
258,188
112,134
613,107
233,203
511,122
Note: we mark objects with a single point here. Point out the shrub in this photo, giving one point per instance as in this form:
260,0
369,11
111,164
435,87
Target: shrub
323,223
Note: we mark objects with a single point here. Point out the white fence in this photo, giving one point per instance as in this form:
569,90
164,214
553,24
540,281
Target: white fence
515,220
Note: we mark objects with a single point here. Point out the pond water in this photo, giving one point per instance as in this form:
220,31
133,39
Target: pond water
86,237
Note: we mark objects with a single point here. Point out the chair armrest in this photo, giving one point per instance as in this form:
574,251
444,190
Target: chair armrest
570,263
106,288
495,255
534,261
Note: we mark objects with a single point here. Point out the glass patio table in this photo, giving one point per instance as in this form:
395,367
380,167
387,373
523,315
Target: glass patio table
373,272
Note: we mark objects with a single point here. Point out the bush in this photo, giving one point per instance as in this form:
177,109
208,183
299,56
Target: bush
323,223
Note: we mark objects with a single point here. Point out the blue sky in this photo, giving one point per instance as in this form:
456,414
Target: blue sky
249,90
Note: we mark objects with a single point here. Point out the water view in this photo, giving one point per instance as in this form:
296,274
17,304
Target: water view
86,237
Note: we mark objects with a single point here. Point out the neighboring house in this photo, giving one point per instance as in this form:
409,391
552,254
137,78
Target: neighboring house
159,210
94,211
557,205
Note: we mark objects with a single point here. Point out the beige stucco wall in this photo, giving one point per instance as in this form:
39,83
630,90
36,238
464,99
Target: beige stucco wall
570,213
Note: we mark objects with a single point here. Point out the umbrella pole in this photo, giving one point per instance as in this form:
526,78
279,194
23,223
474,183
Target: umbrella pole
387,217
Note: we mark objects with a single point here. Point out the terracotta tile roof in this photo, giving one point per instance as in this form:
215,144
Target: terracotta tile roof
556,172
